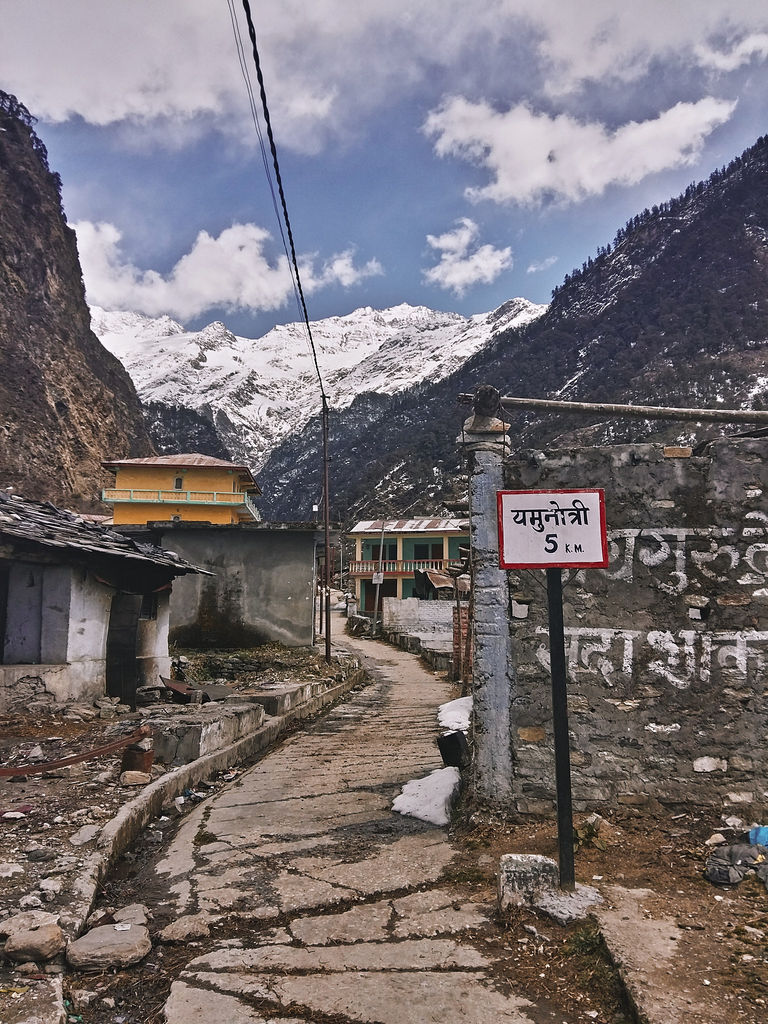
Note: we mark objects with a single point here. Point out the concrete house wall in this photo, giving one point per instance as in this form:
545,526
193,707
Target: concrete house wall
262,589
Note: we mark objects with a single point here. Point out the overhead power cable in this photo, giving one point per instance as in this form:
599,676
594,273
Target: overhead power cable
263,148
296,276
281,191
256,123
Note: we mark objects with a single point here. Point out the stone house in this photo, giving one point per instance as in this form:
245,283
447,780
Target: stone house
83,609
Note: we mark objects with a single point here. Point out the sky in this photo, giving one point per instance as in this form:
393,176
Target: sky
438,153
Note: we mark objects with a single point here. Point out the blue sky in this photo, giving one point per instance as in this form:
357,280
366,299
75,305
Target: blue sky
434,152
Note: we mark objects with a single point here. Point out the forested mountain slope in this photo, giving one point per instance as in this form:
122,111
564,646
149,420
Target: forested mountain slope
673,312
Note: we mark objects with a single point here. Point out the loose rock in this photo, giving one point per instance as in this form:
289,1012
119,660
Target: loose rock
104,947
191,926
134,913
33,935
85,835
135,778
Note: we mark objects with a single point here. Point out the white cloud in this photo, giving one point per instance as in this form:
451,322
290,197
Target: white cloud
231,271
539,265
532,156
602,41
329,63
742,52
461,263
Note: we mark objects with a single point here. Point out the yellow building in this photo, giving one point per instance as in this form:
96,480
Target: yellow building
184,488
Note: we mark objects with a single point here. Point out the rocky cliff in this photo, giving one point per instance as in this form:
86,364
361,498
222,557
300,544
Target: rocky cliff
66,403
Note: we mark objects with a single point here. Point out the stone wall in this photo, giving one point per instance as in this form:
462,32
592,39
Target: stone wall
411,615
667,648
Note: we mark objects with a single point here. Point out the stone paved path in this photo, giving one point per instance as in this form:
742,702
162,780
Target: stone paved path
340,902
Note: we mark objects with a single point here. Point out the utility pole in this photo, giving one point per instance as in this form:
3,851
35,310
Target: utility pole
379,578
327,529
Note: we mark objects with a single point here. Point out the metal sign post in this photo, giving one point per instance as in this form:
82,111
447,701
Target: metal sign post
560,727
555,530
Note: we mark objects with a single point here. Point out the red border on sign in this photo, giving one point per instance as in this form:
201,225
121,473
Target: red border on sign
555,565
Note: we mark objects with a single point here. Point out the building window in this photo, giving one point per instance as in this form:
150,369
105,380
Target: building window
148,608
389,554
428,550
178,483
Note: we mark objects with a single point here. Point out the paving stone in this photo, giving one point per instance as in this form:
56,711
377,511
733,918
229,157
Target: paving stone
387,997
368,922
407,862
187,1003
423,954
302,892
108,946
436,912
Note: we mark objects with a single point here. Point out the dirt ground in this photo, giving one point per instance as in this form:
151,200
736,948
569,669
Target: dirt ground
723,932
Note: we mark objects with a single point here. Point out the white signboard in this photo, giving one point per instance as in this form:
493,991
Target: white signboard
547,529
378,578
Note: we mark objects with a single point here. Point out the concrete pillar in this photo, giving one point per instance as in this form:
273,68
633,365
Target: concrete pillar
483,438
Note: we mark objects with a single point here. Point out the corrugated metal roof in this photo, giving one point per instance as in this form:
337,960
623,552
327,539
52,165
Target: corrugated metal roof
411,526
441,580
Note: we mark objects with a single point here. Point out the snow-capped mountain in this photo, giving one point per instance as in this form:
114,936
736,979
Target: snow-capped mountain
256,391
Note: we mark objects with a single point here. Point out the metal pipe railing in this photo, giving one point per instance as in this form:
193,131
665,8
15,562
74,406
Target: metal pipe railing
647,412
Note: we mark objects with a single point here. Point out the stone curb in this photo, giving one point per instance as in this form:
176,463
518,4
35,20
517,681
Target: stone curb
633,989
133,816
120,831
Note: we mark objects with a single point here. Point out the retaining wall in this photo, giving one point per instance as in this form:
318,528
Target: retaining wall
412,615
667,648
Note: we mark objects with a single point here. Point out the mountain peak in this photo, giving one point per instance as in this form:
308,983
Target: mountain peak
257,391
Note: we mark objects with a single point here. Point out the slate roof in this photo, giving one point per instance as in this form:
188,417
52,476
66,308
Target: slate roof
412,526
38,524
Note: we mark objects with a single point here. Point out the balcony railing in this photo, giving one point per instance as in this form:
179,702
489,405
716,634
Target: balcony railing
400,566
149,496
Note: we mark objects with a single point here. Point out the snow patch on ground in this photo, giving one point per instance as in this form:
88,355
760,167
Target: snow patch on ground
430,798
455,715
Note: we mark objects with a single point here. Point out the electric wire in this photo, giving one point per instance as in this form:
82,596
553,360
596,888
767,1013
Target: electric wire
303,305
262,146
281,192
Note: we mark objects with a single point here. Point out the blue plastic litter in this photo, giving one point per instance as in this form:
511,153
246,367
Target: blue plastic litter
758,836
